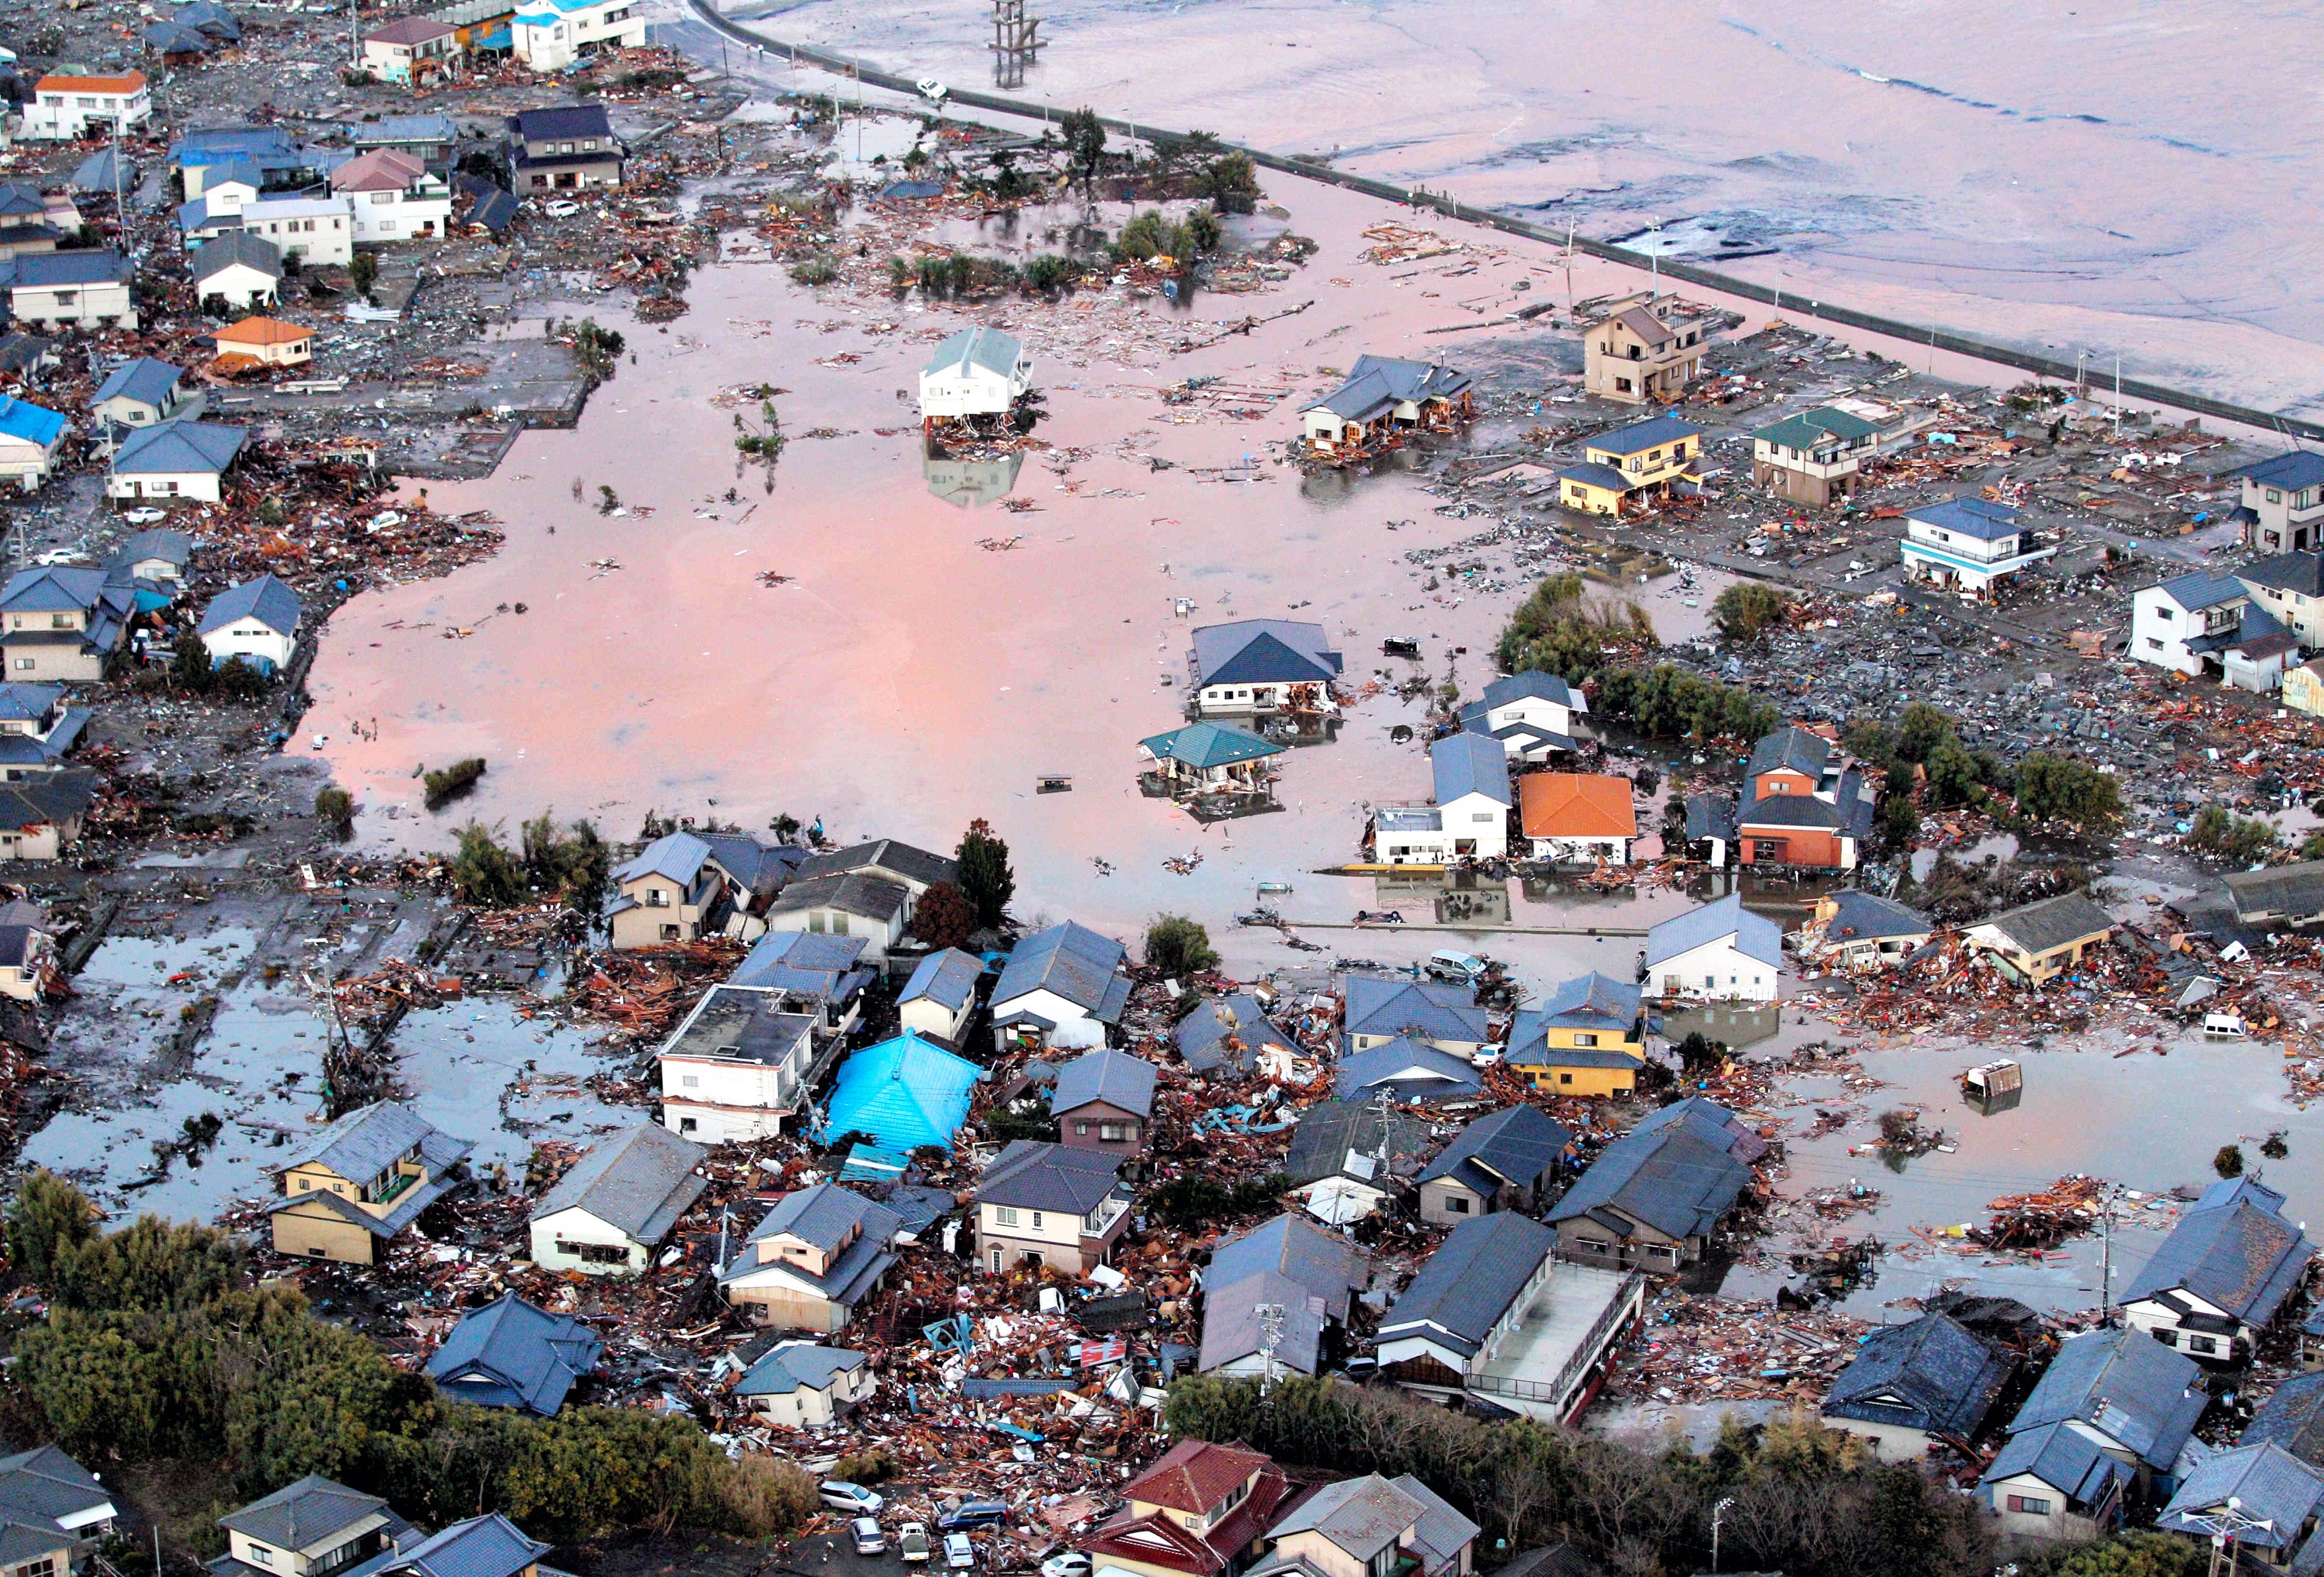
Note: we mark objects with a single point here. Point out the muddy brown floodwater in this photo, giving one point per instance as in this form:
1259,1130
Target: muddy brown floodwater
905,678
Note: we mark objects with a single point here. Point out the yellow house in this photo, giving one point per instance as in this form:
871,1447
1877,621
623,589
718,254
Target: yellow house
360,1181
2303,688
1639,462
1588,1039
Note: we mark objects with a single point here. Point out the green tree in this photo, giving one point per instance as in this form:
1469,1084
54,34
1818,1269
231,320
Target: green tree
48,1219
1900,819
190,665
1698,1054
363,272
1871,741
2229,1161
484,872
1919,730
2127,1555
1744,610
1179,946
1232,183
2065,788
986,876
1085,135
2239,840
1952,775
334,807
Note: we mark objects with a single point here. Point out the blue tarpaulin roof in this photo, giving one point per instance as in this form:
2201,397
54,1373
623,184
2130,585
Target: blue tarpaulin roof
903,1093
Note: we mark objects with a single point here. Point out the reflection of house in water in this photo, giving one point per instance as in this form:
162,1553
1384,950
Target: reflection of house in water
970,483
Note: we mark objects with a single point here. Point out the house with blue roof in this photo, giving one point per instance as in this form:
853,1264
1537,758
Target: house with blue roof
1407,1072
2226,1272
903,1093
177,459
256,623
64,622
816,970
1104,1101
1262,668
940,998
1063,986
2120,1390
1588,1039
803,1384
2282,503
142,392
1379,1008
1468,816
811,1259
1627,470
1969,545
1505,1160
30,437
2270,1496
510,1354
1862,930
1382,398
1203,758
70,289
2180,623
1930,1381
1720,952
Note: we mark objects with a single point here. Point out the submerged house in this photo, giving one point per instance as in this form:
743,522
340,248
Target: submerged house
1382,397
1203,758
1654,1197
360,1181
1646,348
1262,668
977,372
1533,714
1468,816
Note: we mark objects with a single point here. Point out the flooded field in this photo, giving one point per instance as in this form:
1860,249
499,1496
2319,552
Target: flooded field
2078,197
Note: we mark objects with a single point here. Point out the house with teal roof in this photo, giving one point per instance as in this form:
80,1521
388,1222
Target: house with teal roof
902,1093
1203,758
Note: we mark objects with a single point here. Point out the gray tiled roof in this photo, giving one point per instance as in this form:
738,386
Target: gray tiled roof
1233,1327
236,247
1471,1281
305,1513
2294,469
1707,1120
2232,1249
2273,1488
141,379
180,445
1361,1516
1123,1082
1641,436
1443,1532
44,1487
42,270
948,978
1793,810
1516,1146
1424,1010
1866,916
1201,1034
875,898
361,1145
814,962
1321,1261
1034,1176
2292,572
1470,763
1328,1131
1410,1070
2202,589
822,1215
510,1354
638,1183
265,599
795,1366
679,856
889,854
1794,748
2125,1385
2293,1418
1710,816
1067,960
1929,1374
484,1547
2062,1457
1670,1176
1755,935
2035,929
1540,686
1589,1002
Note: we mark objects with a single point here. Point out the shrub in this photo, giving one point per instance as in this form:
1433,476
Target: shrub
2229,1161
814,270
334,807
2064,789
1179,946
1746,609
450,782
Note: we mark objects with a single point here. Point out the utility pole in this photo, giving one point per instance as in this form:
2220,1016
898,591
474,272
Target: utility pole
1718,1516
2105,1252
1569,265
1270,1335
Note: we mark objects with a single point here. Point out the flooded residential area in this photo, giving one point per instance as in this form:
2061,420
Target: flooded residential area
815,784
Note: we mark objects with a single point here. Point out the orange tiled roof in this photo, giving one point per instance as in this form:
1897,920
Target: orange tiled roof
1573,804
262,331
128,82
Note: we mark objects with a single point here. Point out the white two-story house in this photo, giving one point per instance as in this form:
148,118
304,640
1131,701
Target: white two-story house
65,108
2284,496
1970,544
1051,1205
742,1064
549,35
1470,819
2186,619
1532,714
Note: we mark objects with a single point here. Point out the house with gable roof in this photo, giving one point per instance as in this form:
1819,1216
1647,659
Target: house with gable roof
1588,1039
824,976
157,556
63,625
1815,457
1379,1009
565,147
613,1208
1927,1382
1261,667
1502,1161
2228,1269
1313,1274
2268,1494
312,1528
1368,1528
2036,943
686,885
1652,1198
31,220
2182,622
1049,1203
1625,471
1969,544
889,860
1407,1072
978,372
940,998
1382,397
1577,817
549,35
360,1181
1468,816
70,289
393,197
1721,952
142,392
2289,587
2134,1399
52,1513
510,1354
1200,1510
414,51
804,1385
1064,986
1645,348
1856,929
238,269
256,623
177,459
1533,714
811,1259
1231,1036
2283,503
1103,1099
482,1547
1348,1157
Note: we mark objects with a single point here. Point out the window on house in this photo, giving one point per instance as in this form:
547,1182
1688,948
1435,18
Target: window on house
2203,1345
688,1125
2168,1338
1585,1038
1455,1205
1004,1215
689,1080
1037,1221
262,1555
1080,1127
2032,1505
1565,1078
1115,1132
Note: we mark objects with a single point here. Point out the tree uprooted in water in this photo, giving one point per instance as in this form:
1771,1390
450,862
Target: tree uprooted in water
1566,628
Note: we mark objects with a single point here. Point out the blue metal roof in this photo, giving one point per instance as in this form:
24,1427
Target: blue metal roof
2232,1249
490,1545
1409,1070
1123,1082
2294,470
1322,1262
143,379
1470,763
265,599
1792,749
1264,651
2203,590
178,446
1755,935
2125,1385
904,1092
1514,1145
1972,517
676,855
795,1366
1591,475
1424,1010
1669,1176
32,423
1639,437
1539,687
948,978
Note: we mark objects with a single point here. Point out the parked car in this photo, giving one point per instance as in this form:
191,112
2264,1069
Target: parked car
912,1542
1456,968
960,1555
932,89
869,1539
841,1496
973,1514
1072,1563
